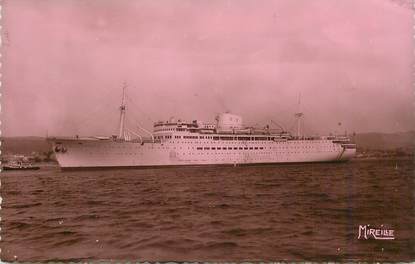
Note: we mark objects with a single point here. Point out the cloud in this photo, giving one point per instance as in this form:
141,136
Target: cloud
65,62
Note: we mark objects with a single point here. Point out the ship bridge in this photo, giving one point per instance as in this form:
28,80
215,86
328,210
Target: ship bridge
225,123
181,126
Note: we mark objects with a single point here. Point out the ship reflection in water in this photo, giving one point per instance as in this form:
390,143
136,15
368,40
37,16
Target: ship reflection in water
276,212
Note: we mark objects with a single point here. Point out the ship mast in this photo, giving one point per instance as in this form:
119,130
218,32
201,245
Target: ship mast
122,114
299,115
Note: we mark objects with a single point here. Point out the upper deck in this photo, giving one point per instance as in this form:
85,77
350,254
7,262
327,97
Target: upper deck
228,128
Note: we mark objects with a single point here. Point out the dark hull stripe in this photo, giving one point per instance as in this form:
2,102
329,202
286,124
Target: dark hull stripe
196,165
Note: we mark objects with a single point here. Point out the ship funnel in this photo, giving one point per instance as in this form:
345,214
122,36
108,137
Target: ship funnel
228,122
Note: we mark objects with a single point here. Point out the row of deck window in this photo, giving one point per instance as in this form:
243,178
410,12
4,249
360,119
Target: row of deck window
219,138
242,138
228,148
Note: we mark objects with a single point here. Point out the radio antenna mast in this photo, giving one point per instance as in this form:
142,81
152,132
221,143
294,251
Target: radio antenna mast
299,115
122,114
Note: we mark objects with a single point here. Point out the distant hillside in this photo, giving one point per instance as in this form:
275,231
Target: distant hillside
382,141
24,145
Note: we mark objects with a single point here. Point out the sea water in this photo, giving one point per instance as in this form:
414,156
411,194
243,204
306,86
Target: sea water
288,212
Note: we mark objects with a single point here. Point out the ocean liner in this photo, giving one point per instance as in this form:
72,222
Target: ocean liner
181,143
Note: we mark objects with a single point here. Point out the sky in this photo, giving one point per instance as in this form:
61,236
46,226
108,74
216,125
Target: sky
64,64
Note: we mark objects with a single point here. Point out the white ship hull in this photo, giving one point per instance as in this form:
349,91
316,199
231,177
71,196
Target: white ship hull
96,153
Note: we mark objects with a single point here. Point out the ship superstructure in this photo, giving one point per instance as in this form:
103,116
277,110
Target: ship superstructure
179,143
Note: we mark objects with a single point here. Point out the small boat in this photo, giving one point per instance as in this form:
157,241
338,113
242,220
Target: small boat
20,166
